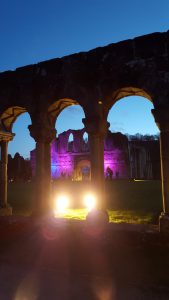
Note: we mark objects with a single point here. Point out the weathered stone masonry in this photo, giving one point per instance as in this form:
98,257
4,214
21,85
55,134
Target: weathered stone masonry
123,159
95,80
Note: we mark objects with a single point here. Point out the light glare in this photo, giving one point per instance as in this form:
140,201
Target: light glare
90,201
62,203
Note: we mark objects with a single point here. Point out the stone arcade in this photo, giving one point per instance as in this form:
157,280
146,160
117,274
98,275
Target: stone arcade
95,80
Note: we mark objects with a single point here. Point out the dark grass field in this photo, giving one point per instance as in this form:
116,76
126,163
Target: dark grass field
127,201
69,259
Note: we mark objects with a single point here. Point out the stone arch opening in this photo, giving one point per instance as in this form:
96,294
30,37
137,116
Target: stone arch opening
134,140
82,171
68,120
70,145
136,149
68,115
85,145
128,91
22,141
15,120
59,106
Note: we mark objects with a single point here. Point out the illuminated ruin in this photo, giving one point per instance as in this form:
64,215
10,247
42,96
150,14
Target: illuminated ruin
123,159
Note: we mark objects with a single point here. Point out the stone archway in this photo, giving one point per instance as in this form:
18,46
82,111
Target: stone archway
7,117
127,67
82,170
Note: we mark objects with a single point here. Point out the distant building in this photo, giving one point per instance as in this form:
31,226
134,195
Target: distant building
123,159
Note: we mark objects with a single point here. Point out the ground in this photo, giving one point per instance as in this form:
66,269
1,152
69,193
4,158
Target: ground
127,201
68,259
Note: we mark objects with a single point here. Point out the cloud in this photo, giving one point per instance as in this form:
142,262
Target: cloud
117,126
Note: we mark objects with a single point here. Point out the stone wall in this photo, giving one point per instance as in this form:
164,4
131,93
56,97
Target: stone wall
122,158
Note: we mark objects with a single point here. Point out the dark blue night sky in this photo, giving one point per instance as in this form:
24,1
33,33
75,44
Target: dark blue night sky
32,31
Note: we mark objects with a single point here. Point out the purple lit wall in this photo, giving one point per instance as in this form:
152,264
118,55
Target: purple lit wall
115,161
63,167
65,156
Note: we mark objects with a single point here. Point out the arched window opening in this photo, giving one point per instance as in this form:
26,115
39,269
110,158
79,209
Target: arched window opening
85,146
70,143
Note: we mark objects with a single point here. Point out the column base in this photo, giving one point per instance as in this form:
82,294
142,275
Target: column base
164,223
6,211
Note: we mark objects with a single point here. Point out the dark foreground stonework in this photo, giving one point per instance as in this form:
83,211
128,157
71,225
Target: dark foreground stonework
96,80
68,260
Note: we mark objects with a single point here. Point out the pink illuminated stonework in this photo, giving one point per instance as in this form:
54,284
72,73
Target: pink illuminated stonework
71,159
122,158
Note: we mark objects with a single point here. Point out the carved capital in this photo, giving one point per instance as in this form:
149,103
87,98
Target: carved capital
44,134
161,117
5,135
96,126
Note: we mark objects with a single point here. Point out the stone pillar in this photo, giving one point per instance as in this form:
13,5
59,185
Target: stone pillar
97,130
42,185
5,209
161,117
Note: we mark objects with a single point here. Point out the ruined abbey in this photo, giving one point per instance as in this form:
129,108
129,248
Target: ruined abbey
95,80
123,158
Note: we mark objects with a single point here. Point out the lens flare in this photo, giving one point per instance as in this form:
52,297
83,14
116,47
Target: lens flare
62,202
90,201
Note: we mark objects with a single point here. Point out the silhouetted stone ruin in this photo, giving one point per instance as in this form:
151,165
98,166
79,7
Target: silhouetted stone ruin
96,80
123,158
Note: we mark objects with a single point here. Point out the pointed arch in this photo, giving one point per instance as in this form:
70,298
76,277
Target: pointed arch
58,106
9,115
85,146
126,92
70,143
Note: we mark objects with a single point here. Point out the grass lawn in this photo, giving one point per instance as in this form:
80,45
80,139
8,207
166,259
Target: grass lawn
127,201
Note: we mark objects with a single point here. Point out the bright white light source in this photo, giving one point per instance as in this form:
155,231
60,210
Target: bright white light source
90,201
62,203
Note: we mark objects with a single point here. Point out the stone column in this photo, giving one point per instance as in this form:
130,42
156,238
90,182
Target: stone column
161,117
42,188
5,209
97,130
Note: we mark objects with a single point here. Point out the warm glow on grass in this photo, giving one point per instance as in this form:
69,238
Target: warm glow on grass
90,201
62,203
115,216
